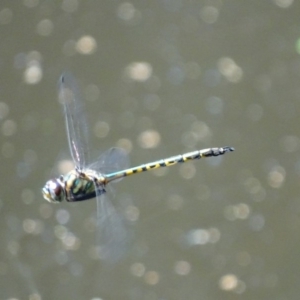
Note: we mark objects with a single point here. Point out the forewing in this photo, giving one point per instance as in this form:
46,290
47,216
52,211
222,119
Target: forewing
76,125
113,160
112,235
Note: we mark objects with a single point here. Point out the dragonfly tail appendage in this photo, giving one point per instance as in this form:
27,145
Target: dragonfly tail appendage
215,151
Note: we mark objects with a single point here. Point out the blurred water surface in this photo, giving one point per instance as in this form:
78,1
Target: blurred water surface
158,78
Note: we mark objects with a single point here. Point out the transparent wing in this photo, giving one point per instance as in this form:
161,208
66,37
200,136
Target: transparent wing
113,160
112,235
76,125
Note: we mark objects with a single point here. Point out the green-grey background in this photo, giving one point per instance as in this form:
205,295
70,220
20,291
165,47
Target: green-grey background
194,73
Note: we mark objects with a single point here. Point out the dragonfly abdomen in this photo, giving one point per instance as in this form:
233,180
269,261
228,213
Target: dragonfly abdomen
181,158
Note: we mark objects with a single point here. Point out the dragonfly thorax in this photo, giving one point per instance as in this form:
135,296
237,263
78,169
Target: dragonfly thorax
83,185
54,190
75,186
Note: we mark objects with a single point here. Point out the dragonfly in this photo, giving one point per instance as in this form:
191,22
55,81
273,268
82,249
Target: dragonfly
89,181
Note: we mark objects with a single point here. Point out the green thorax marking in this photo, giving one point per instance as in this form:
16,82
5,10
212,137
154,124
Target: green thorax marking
81,185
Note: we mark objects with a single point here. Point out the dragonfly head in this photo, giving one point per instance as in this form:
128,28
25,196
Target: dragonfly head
54,191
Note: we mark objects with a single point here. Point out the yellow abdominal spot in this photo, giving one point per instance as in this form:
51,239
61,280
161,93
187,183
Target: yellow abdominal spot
170,163
150,167
129,172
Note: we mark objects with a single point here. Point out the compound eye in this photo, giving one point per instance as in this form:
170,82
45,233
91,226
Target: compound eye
57,191
53,191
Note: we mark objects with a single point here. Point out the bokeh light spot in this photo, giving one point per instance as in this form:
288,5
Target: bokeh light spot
69,6
9,128
86,45
45,27
182,268
149,139
5,16
230,70
101,129
209,14
228,282
151,277
283,3
31,3
276,176
139,71
137,269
